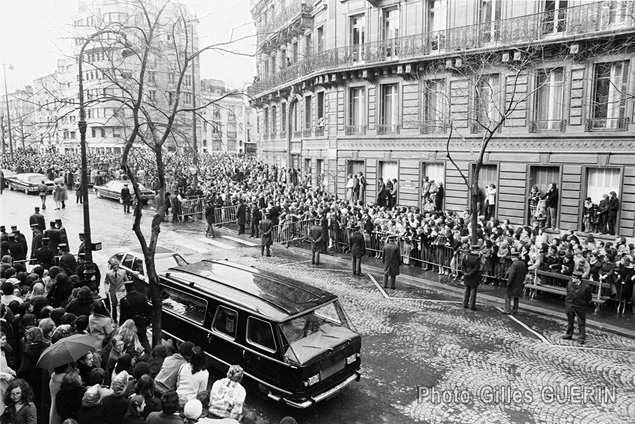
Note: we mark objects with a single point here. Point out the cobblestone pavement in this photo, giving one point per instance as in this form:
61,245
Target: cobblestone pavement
424,358
474,366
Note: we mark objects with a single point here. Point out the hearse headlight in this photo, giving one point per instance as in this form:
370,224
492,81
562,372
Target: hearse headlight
312,380
352,358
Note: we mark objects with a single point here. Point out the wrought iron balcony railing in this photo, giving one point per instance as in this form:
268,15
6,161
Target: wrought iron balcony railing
388,129
545,125
430,127
297,133
572,23
319,131
307,132
355,129
607,124
286,15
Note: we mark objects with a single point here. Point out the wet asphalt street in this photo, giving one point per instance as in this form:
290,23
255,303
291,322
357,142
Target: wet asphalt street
424,357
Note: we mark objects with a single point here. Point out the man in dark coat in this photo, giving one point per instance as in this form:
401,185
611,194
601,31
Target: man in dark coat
53,234
63,235
613,208
241,216
20,238
471,268
515,282
266,239
552,206
36,241
126,199
45,255
357,246
578,296
392,261
68,263
316,238
135,307
256,216
16,249
37,218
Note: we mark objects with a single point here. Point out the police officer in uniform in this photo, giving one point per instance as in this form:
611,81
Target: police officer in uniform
575,304
471,268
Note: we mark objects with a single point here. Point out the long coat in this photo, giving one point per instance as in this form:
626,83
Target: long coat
391,259
516,278
266,226
471,268
316,236
357,244
241,214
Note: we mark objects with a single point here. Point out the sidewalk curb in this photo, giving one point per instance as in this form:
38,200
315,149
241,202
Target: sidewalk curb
488,299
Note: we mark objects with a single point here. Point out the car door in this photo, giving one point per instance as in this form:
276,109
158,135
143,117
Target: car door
262,358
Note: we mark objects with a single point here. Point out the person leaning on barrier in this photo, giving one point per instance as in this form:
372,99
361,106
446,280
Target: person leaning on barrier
578,296
471,268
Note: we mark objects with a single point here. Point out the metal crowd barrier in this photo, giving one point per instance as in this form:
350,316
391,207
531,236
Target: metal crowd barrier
225,215
192,208
290,231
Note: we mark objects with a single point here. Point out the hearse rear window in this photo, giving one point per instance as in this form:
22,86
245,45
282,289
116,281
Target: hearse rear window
225,321
185,305
260,333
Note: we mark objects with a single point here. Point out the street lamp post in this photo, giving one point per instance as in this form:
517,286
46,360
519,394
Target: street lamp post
88,247
6,97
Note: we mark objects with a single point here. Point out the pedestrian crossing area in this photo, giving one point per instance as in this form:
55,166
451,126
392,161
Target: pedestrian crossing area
203,244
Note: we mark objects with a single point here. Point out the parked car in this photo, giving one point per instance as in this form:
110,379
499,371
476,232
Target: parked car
294,341
29,182
7,175
134,264
112,190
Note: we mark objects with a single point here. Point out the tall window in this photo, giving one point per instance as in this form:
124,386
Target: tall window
308,45
549,99
619,12
437,15
390,30
555,16
357,36
490,16
308,113
435,107
486,105
295,52
320,39
283,117
602,181
389,109
609,96
274,117
356,110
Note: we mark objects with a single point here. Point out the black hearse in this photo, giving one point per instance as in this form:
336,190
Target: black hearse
293,340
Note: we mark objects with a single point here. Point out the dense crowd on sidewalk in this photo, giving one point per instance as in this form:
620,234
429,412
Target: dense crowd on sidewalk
55,295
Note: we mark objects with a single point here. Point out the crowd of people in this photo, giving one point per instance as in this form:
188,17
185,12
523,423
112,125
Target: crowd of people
55,296
119,378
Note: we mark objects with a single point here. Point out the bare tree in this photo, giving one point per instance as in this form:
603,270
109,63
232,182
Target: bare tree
484,92
148,58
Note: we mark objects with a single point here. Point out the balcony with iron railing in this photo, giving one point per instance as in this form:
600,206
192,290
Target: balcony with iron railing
569,24
433,126
607,124
547,125
383,129
319,131
307,132
355,130
286,15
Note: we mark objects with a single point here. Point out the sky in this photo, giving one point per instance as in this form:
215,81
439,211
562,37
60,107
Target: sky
34,33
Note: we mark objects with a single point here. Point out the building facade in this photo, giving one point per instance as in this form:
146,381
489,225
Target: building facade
228,123
412,89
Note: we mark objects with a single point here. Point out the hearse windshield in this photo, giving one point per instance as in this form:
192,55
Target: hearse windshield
311,334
